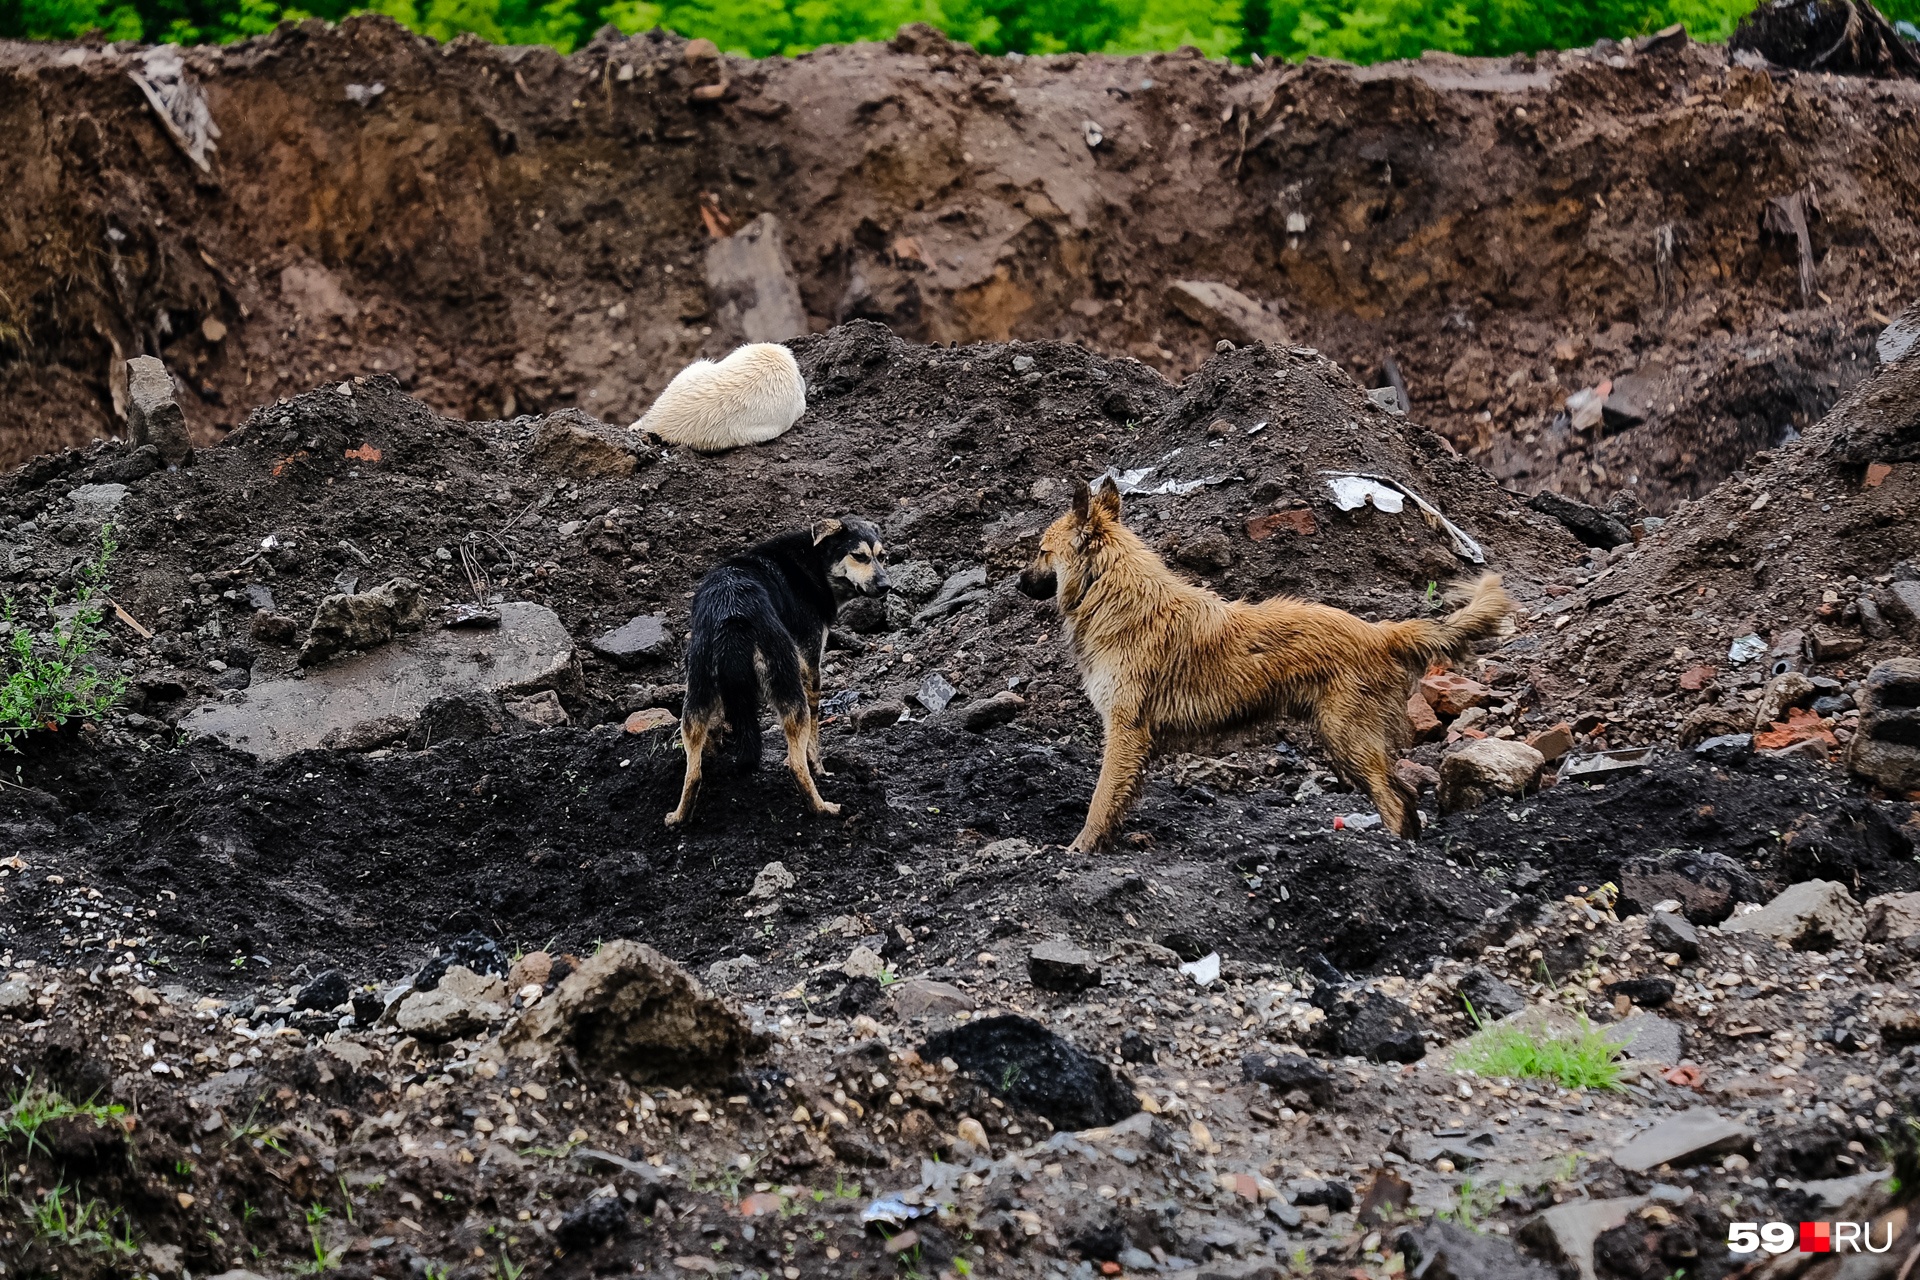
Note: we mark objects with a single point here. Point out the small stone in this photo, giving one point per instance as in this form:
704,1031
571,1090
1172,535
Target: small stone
1726,749
153,415
363,620
1060,966
997,710
648,719
1705,884
961,589
1893,917
773,880
327,991
725,973
1566,1232
1814,915
1022,363
1426,725
877,715
1366,1024
1688,1138
863,962
1590,525
640,640
1830,645
1782,694
1903,602
1671,934
16,998
1490,998
1649,993
572,444
1450,694
927,998
1422,778
542,710
1486,768
534,968
440,1015
1552,743
1647,1037
971,1130
1286,1072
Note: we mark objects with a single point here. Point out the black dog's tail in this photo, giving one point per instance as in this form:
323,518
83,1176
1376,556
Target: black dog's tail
722,676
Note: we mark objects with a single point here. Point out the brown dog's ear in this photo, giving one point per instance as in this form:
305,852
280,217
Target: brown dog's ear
824,529
1082,499
1107,499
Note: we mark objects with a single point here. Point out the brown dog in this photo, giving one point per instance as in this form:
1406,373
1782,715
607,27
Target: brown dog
1164,660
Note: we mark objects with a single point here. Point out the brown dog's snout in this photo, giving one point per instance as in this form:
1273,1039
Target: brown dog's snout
1038,582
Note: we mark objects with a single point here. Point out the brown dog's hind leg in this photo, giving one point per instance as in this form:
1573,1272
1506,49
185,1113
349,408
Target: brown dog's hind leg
1120,764
693,735
1361,752
802,732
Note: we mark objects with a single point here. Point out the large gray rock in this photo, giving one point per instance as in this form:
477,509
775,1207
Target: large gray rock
1056,965
391,685
1694,1135
1486,768
632,1010
643,639
464,1002
1814,915
363,620
153,416
1893,917
1225,312
966,587
1566,1232
1648,1037
751,284
1887,748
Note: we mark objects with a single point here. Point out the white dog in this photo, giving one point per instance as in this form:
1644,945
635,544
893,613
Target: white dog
750,397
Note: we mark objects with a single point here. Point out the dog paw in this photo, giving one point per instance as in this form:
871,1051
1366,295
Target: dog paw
828,809
673,819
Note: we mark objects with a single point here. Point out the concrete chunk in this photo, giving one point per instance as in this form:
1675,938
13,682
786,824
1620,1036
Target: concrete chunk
1814,915
751,284
1225,312
279,717
153,417
1694,1135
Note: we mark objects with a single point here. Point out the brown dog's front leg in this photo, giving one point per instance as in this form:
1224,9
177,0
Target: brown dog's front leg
1120,765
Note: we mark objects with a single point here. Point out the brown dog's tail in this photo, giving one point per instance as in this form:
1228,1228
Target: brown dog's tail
1488,611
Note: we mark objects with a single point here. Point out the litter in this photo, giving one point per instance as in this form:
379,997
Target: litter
1745,649
178,101
1134,481
1204,970
841,703
892,1211
1355,489
1606,764
935,692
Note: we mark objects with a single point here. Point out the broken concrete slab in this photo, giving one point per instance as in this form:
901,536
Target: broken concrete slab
1700,1133
1648,1037
153,416
1814,915
1566,1232
752,286
1225,312
276,718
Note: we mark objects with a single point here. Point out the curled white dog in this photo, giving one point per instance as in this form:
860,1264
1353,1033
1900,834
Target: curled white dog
750,397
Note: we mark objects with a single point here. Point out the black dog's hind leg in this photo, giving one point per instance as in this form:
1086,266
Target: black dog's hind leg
787,688
694,731
812,673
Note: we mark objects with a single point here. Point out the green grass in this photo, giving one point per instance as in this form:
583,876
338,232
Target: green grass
31,1108
1585,1059
49,678
62,1218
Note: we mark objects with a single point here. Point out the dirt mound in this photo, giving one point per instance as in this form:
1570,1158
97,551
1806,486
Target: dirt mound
505,230
1807,550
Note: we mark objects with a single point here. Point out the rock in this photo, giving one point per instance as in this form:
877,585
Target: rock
1890,764
1285,1073
877,715
1366,1024
532,969
642,639
867,615
475,986
1447,1251
475,952
773,880
441,1014
458,717
991,712
1893,917
1647,1037
1422,778
470,617
1886,749
137,465
1225,312
960,590
630,1009
1705,884
277,718
1903,602
915,581
1336,1196
1814,915
1552,743
1830,645
725,973
1026,1065
153,416
1783,693
16,998
863,962
935,692
1489,998
1590,525
329,990
751,284
1892,684
1486,768
1426,725
274,628
95,502
647,719
1649,993
363,621
1688,1138
588,1224
572,444
1135,1048
1566,1232
542,710
1726,749
1060,966
926,998
1450,694
1899,338
1670,934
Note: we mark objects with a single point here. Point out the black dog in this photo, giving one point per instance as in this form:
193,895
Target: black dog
760,623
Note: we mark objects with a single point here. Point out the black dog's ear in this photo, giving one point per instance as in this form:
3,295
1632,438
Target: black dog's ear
1082,499
824,529
1107,499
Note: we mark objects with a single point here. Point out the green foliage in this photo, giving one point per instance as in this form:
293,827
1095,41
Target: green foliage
62,1218
32,1108
48,679
1585,1059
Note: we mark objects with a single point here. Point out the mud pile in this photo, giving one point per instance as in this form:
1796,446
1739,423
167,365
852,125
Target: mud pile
505,230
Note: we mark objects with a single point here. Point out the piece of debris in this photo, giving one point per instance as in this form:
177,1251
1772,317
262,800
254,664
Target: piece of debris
1698,1134
1352,489
636,642
363,621
752,286
1227,313
1029,1066
153,416
177,99
1814,915
1480,770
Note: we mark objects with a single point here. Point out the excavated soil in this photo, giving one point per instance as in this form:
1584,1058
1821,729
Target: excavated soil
506,230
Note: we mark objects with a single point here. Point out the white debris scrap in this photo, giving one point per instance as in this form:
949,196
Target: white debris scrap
177,99
1354,489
